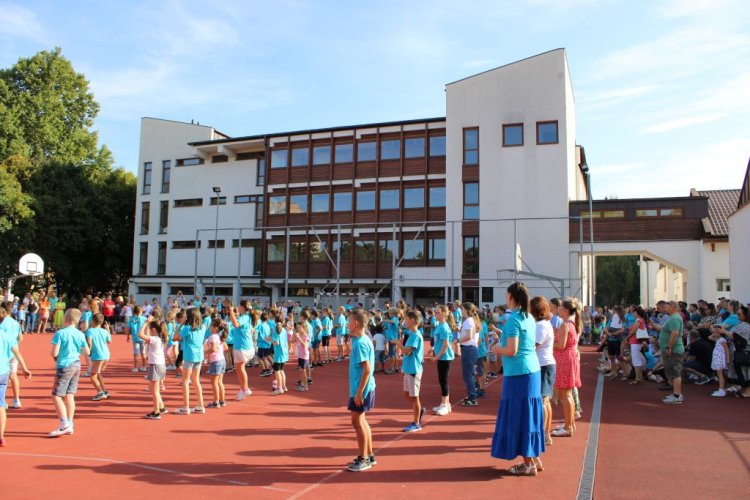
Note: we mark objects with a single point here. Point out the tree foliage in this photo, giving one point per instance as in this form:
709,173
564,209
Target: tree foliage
617,280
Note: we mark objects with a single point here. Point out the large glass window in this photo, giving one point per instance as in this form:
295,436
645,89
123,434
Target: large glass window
364,251
147,170
259,208
297,251
163,216
344,153
436,249
161,261
414,198
437,197
221,200
260,178
390,149
276,252
277,205
471,146
145,216
298,204
166,174
389,199
342,202
321,155
513,134
546,132
318,251
413,249
414,147
279,158
320,202
300,157
385,249
437,145
471,254
143,259
471,200
366,151
346,250
365,200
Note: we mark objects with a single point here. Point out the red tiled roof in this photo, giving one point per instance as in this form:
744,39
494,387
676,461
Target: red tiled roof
721,204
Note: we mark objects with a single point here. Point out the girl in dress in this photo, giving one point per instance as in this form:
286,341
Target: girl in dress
719,362
568,372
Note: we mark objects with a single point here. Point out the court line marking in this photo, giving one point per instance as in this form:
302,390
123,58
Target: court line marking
588,470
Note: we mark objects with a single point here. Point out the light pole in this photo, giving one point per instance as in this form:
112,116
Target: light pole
592,287
217,192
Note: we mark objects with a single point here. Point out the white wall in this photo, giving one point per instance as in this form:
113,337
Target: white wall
739,254
715,266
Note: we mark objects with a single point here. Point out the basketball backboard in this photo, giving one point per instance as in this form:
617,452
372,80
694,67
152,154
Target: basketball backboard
31,265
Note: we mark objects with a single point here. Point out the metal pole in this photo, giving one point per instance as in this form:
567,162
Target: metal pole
338,265
239,266
515,249
216,243
453,260
393,263
580,254
591,239
286,267
195,277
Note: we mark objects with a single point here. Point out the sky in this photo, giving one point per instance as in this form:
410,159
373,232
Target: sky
662,87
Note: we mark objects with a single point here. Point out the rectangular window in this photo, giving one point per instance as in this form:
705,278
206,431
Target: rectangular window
216,243
297,251
298,204
145,216
277,205
260,179
364,251
471,146
246,243
149,290
613,214
161,263
471,201
219,159
163,216
318,251
437,197
365,200
189,162
660,212
147,170
414,198
513,134
300,157
222,200
413,249
414,147
389,199
390,149
279,158
437,145
320,202
189,202
471,254
342,202
723,285
344,153
436,249
322,155
546,132
143,259
276,252
184,245
488,295
385,249
346,250
366,151
184,289
260,206
166,175
243,198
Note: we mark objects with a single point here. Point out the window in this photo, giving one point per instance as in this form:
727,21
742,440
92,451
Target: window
245,243
414,198
390,149
166,175
546,132
147,169
471,200
163,216
437,145
297,251
471,146
365,200
259,208
216,243
321,155
385,249
342,202
222,200
723,285
145,216
300,157
413,249
344,153
149,290
298,204
245,155
414,148
219,291
260,179
660,212
143,259
243,198
275,252
219,159
471,254
320,202
189,202
389,199
437,197
161,263
189,162
184,245
513,134
279,158
488,295
346,250
366,151
277,205
436,249
186,290
318,251
364,251
613,214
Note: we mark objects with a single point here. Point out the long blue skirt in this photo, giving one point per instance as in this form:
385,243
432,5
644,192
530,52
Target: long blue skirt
520,419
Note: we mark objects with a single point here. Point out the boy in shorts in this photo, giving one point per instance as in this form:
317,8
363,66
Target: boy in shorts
68,344
361,389
413,351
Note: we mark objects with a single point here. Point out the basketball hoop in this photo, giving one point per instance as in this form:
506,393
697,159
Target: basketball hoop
31,265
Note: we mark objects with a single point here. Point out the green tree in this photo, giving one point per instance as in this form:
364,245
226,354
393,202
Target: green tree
617,280
14,203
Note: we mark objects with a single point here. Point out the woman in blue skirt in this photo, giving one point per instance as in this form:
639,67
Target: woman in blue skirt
520,419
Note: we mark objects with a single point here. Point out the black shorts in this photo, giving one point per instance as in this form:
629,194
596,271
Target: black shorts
613,347
346,338
302,363
178,361
325,340
368,403
277,367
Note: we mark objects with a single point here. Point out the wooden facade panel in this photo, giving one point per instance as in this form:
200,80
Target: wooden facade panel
343,171
639,230
470,228
436,165
415,166
389,169
299,174
389,216
320,218
365,217
275,220
320,173
342,217
297,219
366,170
278,175
436,214
471,173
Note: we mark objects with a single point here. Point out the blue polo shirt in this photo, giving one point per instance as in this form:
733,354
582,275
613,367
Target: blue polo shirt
71,341
362,350
413,361
317,329
523,328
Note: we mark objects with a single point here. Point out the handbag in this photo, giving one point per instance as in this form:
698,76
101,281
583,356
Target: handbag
742,358
641,334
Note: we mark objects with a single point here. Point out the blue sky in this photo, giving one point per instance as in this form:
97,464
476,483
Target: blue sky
662,87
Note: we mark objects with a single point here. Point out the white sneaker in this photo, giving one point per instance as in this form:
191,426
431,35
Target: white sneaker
277,392
16,404
443,410
142,368
134,370
63,429
87,374
249,392
436,408
240,395
719,393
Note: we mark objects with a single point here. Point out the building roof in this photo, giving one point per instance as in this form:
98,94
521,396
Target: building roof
721,204
745,193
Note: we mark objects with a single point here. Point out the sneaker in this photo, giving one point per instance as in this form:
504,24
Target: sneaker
301,388
16,404
665,387
372,459
309,381
134,370
99,397
277,392
443,410
266,373
182,411
240,395
359,464
412,427
222,404
2,442
142,369
63,429
87,373
421,414
719,393
577,415
163,410
436,408
703,381
214,404
106,394
199,409
153,416
481,394
469,402
673,400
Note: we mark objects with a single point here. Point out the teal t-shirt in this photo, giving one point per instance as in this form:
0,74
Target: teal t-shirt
6,353
280,350
441,336
523,327
482,347
170,334
731,321
362,350
192,344
86,318
71,341
341,323
413,361
391,329
135,324
99,340
326,323
243,335
11,330
317,329
674,323
264,335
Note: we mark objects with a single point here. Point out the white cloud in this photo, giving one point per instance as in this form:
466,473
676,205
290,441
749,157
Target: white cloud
19,21
678,123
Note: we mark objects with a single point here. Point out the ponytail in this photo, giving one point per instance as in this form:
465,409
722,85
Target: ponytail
448,316
572,306
520,295
161,328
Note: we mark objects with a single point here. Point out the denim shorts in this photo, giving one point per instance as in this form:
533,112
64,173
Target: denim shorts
217,367
192,365
548,380
66,380
3,388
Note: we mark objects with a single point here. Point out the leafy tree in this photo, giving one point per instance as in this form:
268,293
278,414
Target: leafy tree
617,280
14,203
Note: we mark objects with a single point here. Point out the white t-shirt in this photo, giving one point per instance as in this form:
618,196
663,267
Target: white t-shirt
155,351
467,328
616,322
379,340
545,339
